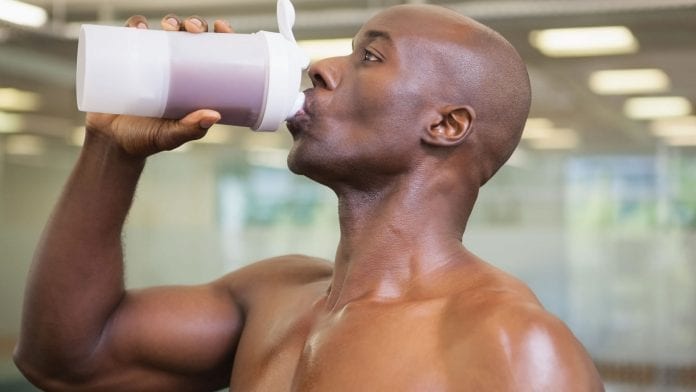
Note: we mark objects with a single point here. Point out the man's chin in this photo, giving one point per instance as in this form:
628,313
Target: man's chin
303,163
293,163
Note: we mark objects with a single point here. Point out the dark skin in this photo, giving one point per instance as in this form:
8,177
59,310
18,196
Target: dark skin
404,307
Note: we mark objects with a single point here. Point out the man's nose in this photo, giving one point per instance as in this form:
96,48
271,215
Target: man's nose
325,73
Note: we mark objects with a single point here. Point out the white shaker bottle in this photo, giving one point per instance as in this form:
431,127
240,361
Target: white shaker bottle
253,80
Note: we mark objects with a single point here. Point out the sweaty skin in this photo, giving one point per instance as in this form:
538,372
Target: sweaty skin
405,130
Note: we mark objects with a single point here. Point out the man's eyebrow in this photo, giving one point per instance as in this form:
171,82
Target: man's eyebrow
373,35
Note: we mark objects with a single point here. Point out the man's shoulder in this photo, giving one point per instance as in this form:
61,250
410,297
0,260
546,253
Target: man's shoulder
501,325
498,304
294,265
490,294
508,316
279,272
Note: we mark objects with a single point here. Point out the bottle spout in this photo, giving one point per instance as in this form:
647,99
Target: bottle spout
297,106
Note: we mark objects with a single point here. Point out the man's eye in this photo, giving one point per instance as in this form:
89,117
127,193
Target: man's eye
369,56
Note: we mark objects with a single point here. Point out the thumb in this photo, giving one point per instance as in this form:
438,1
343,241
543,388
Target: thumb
194,126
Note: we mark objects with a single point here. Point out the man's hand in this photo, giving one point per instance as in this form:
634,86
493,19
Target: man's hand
142,136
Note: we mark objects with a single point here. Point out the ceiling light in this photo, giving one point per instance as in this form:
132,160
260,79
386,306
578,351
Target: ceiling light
629,81
21,13
25,145
519,158
18,100
674,126
642,108
537,128
560,139
541,133
681,141
324,48
10,122
537,133
584,41
538,122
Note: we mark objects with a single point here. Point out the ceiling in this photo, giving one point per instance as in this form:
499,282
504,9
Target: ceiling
43,60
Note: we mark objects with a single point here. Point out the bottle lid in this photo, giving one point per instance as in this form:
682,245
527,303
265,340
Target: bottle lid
286,61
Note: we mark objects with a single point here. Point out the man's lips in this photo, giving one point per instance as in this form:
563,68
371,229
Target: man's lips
300,121
309,102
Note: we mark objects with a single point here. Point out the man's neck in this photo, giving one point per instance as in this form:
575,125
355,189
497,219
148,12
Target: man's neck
397,240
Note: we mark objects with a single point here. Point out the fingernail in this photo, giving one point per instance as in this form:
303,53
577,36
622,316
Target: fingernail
205,124
141,25
196,21
172,22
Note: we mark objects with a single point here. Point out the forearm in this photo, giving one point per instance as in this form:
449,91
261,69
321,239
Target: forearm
76,280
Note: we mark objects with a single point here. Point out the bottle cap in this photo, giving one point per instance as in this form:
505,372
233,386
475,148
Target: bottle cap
286,61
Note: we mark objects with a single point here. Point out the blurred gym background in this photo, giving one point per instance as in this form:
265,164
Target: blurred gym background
596,211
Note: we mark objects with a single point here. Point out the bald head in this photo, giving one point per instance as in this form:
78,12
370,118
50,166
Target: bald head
491,77
471,65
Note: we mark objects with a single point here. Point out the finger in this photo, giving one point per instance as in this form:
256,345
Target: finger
171,22
195,24
221,26
204,118
137,21
194,126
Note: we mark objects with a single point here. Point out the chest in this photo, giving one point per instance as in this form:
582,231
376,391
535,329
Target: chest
360,348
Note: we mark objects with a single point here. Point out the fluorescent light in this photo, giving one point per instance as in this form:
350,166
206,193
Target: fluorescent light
629,81
25,145
538,122
537,128
18,100
559,139
324,48
584,41
538,133
10,122
681,141
541,133
675,131
674,126
642,108
21,13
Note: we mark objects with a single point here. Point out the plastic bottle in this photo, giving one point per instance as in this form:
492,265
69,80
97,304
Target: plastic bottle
253,80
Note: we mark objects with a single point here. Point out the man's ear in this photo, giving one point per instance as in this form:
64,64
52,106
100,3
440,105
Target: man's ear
451,127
